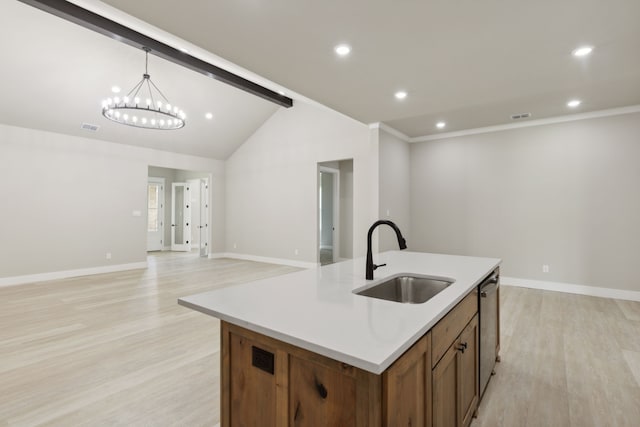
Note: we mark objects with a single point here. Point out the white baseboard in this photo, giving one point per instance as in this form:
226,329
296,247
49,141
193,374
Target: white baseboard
268,260
571,288
326,247
55,275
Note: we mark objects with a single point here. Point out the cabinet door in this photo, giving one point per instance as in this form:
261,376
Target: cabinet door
320,395
407,387
469,381
445,389
455,380
253,390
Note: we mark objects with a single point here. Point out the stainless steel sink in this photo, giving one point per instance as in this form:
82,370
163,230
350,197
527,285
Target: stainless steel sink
407,288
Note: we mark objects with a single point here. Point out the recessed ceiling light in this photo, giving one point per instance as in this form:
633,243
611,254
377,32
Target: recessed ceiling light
582,51
343,49
115,89
209,116
441,125
573,103
401,94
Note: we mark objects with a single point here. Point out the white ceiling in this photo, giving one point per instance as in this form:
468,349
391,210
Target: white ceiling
56,73
471,63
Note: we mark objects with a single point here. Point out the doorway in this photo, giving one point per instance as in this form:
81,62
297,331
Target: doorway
335,211
328,220
186,196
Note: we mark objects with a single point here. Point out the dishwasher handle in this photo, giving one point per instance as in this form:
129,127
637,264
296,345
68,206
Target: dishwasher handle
489,285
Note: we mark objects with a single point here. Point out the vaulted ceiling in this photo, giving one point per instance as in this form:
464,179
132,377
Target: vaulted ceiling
468,63
55,75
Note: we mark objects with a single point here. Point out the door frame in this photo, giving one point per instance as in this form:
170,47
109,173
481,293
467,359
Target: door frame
336,211
161,181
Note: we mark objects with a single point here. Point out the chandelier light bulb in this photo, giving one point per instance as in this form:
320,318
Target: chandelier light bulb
156,112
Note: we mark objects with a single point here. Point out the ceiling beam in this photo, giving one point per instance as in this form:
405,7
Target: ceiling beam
83,17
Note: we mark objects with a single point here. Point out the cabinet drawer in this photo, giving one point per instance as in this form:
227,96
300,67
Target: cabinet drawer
449,327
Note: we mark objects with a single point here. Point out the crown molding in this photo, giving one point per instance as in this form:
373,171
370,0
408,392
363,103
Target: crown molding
390,130
531,123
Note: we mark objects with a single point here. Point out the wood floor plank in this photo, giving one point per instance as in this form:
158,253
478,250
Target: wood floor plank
117,350
564,362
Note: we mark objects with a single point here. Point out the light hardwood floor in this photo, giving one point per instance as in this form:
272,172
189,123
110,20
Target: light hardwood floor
117,350
567,360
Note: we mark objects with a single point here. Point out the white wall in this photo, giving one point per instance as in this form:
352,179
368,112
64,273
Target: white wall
67,201
395,190
566,195
272,203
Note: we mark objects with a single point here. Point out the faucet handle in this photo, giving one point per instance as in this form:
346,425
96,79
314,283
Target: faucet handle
375,267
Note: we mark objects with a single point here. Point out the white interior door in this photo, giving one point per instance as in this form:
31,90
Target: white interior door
204,218
155,214
180,217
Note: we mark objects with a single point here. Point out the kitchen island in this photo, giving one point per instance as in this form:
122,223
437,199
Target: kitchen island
304,349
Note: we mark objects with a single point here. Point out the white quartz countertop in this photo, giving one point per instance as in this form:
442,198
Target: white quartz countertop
317,310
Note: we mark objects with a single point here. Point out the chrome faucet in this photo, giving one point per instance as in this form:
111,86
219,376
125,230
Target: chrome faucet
401,242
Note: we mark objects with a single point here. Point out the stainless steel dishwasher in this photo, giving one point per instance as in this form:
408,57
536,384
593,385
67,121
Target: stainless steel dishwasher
488,292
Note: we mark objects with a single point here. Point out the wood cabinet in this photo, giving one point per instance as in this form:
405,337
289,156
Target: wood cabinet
455,380
406,387
319,393
266,382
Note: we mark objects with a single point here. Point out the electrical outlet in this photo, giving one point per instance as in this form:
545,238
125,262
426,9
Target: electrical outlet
108,255
388,213
235,246
545,268
295,252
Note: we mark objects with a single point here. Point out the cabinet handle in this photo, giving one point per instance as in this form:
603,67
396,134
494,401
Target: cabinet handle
462,347
322,390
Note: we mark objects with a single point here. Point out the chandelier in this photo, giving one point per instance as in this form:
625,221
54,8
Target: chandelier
145,106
